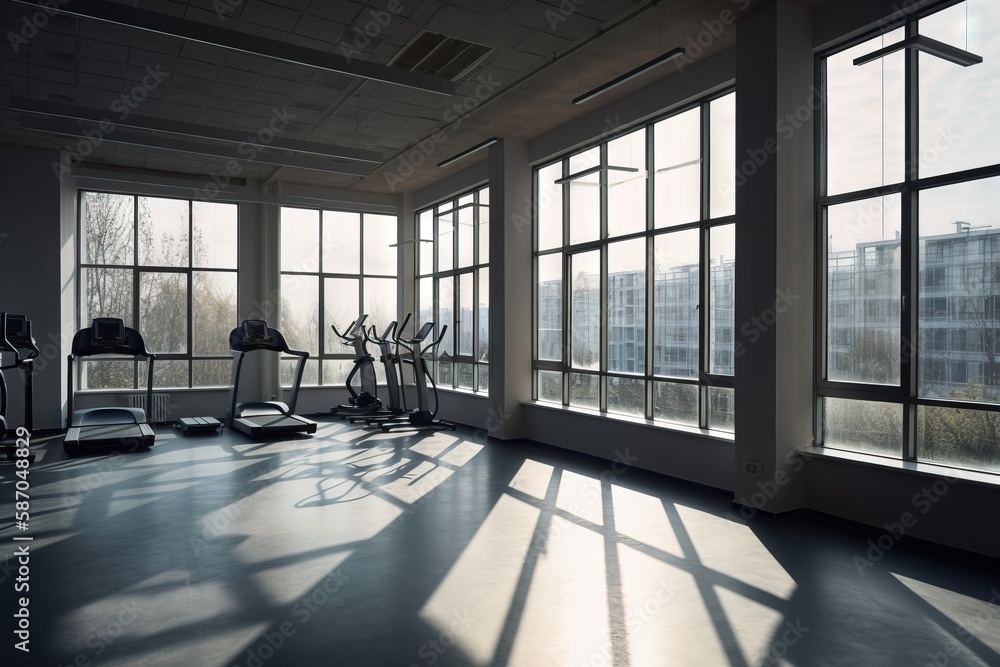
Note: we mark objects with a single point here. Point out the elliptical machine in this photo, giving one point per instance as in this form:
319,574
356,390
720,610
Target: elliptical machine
15,337
367,401
422,417
388,345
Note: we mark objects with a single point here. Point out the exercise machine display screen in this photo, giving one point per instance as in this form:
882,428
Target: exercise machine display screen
424,331
255,330
17,326
109,329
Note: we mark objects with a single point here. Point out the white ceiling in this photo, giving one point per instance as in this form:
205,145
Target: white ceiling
543,55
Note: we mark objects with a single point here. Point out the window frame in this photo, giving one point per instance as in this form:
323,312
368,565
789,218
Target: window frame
451,207
322,276
913,292
138,269
705,380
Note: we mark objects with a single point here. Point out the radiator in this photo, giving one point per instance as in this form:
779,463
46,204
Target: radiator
161,403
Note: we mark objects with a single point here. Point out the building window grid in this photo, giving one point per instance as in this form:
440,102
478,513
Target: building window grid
927,276
138,269
668,363
446,367
325,330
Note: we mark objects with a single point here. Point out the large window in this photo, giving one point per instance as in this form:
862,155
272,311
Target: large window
910,245
453,287
335,265
634,271
168,268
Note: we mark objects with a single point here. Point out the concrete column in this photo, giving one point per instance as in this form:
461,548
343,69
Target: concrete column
510,289
775,108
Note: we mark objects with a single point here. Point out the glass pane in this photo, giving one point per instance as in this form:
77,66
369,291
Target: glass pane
549,203
676,403
425,302
214,308
677,159
865,119
585,325
212,372
483,379
216,235
484,234
627,184
466,300
863,291
463,376
863,426
168,374
958,128
626,396
425,245
445,373
163,308
721,412
964,438
445,246
380,234
109,374
335,371
342,242
466,236
585,208
380,302
300,312
585,160
675,304
959,310
584,390
108,228
483,342
446,316
484,196
550,307
299,239
722,296
722,140
163,231
466,199
550,386
106,293
310,375
340,296
626,298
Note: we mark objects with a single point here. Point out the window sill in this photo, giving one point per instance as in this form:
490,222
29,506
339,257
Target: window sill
920,469
720,436
156,390
464,392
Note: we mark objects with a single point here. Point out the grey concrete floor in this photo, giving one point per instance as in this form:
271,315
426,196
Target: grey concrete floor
359,548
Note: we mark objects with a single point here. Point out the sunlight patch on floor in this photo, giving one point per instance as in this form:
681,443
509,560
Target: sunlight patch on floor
288,583
533,479
203,470
733,549
640,516
416,483
581,495
461,453
565,619
481,584
971,619
753,625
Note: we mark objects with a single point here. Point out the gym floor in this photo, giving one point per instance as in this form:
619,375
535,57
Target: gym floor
361,548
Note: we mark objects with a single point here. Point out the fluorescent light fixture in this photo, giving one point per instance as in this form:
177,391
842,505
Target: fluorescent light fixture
468,151
689,163
927,45
628,76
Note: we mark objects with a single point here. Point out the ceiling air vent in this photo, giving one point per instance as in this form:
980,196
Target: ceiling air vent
438,55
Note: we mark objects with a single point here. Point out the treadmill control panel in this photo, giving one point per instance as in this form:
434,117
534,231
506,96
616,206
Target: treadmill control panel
108,331
255,331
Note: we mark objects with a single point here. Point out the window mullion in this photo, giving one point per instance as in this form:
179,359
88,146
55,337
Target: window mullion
909,242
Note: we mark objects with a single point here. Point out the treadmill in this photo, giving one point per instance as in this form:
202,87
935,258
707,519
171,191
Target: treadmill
108,428
264,418
15,337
